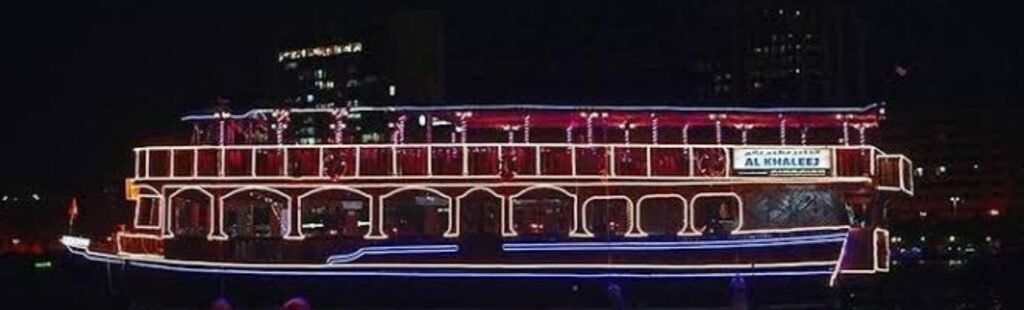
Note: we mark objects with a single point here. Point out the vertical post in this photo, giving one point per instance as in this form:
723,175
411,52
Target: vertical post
686,133
654,128
718,131
803,135
430,128
782,131
526,129
590,127
846,133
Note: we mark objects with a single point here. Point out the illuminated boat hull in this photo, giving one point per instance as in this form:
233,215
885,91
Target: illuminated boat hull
587,207
809,253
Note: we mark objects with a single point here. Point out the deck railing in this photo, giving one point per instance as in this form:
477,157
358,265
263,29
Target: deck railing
486,161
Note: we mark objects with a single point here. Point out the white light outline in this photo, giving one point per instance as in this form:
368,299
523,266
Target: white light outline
408,274
491,107
875,253
211,264
673,245
630,213
119,249
345,188
387,250
575,207
686,213
739,208
159,208
839,262
359,175
286,236
212,235
380,207
902,163
456,215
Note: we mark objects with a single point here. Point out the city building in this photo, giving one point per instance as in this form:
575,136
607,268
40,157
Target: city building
344,60
806,52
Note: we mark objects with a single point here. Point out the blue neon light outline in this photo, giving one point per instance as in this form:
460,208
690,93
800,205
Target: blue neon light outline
413,274
691,243
392,250
669,247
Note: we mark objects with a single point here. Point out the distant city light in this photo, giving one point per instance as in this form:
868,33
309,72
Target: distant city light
922,214
43,265
15,241
35,196
988,238
993,212
391,90
952,238
320,51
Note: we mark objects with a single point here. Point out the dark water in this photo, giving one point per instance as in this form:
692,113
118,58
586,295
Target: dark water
73,284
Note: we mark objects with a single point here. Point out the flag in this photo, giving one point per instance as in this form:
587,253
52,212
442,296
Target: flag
72,212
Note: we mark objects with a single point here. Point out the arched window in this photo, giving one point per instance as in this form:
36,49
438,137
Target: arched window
717,213
255,213
608,216
479,212
191,212
543,211
334,212
415,213
147,209
661,215
147,213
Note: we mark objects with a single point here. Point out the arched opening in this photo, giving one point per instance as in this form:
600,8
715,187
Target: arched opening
255,213
147,209
191,213
607,216
415,213
479,213
544,211
717,214
334,212
661,215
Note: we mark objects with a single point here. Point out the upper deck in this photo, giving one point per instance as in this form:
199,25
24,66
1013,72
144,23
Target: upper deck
528,143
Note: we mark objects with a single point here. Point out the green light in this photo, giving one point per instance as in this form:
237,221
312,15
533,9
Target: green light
44,265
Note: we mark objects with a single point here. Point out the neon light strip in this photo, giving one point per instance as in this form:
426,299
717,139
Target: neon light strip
391,250
839,262
485,107
663,246
481,274
875,252
155,260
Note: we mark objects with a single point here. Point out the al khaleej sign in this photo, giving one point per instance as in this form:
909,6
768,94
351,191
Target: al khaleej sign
782,162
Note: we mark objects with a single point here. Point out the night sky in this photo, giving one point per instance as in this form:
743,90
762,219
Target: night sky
90,79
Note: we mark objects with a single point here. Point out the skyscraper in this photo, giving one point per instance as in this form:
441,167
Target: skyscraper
375,57
799,52
372,58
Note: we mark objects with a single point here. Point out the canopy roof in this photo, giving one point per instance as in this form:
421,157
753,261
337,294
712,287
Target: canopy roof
541,116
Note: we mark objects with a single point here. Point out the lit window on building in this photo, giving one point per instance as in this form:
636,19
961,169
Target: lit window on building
320,51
